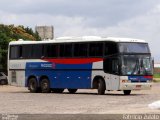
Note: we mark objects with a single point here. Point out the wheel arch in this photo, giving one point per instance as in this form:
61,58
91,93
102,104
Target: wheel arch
31,76
43,77
96,80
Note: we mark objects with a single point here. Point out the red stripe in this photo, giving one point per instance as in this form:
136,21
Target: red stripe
74,60
148,77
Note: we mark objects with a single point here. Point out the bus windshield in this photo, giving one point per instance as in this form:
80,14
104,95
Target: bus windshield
134,48
136,65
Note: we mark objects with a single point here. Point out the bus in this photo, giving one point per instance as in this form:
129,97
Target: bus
88,62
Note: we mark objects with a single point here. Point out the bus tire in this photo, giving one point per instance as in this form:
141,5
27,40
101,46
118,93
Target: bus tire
33,85
45,85
101,87
3,82
72,91
57,90
127,92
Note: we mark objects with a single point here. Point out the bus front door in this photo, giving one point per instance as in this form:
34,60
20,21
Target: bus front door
111,68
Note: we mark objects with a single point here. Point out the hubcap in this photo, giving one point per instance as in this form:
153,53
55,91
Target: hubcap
45,85
32,85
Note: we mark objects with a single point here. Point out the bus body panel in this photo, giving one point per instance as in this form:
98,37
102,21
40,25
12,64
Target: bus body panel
16,73
16,78
62,75
71,75
111,81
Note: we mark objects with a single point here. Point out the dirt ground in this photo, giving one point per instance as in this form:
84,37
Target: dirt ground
18,100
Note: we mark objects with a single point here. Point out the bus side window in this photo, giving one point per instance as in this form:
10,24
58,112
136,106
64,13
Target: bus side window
110,48
50,50
110,65
115,66
106,65
36,48
66,50
80,50
15,52
96,49
26,51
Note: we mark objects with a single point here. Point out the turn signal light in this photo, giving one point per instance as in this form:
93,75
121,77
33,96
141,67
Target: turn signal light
124,81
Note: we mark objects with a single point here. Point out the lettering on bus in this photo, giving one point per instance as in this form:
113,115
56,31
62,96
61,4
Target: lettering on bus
50,65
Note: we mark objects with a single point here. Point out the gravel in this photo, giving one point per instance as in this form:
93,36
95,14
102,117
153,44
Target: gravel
18,100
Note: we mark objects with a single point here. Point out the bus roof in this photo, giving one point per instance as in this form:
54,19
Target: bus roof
78,39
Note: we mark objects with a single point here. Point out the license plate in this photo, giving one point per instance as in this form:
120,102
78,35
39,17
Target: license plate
138,86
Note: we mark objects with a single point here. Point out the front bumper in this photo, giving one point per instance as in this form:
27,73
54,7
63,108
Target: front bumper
135,86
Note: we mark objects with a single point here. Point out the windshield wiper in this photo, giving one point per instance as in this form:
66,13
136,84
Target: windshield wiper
136,67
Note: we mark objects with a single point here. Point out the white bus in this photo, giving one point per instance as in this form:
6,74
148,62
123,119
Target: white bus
72,63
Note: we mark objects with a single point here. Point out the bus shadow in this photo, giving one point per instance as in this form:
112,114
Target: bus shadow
113,94
106,94
80,93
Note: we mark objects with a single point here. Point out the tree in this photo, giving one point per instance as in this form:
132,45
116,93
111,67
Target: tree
12,33
4,40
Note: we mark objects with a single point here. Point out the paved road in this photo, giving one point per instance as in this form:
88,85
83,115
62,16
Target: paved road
17,100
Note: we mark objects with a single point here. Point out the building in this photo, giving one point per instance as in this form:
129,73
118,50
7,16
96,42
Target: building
45,32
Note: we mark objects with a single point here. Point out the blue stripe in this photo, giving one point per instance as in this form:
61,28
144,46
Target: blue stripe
138,78
61,78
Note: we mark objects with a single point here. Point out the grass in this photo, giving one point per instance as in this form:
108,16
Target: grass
156,77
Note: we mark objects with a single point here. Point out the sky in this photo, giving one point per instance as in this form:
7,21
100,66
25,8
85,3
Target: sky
107,18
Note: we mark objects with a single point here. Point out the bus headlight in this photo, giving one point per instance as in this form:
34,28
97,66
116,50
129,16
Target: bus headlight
125,81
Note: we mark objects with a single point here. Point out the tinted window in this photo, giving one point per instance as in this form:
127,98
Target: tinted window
81,50
133,48
27,51
51,50
111,65
96,49
37,51
110,48
14,52
66,50
114,66
107,65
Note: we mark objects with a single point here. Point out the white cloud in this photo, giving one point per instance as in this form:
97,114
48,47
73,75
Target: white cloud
145,26
136,19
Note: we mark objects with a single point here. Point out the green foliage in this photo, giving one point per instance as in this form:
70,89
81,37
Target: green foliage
36,36
12,33
157,75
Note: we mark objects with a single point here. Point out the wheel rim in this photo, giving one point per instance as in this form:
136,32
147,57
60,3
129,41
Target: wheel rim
44,85
32,85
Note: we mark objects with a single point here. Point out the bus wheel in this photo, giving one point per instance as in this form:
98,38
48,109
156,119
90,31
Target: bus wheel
3,82
101,87
57,90
127,92
45,86
32,85
72,91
